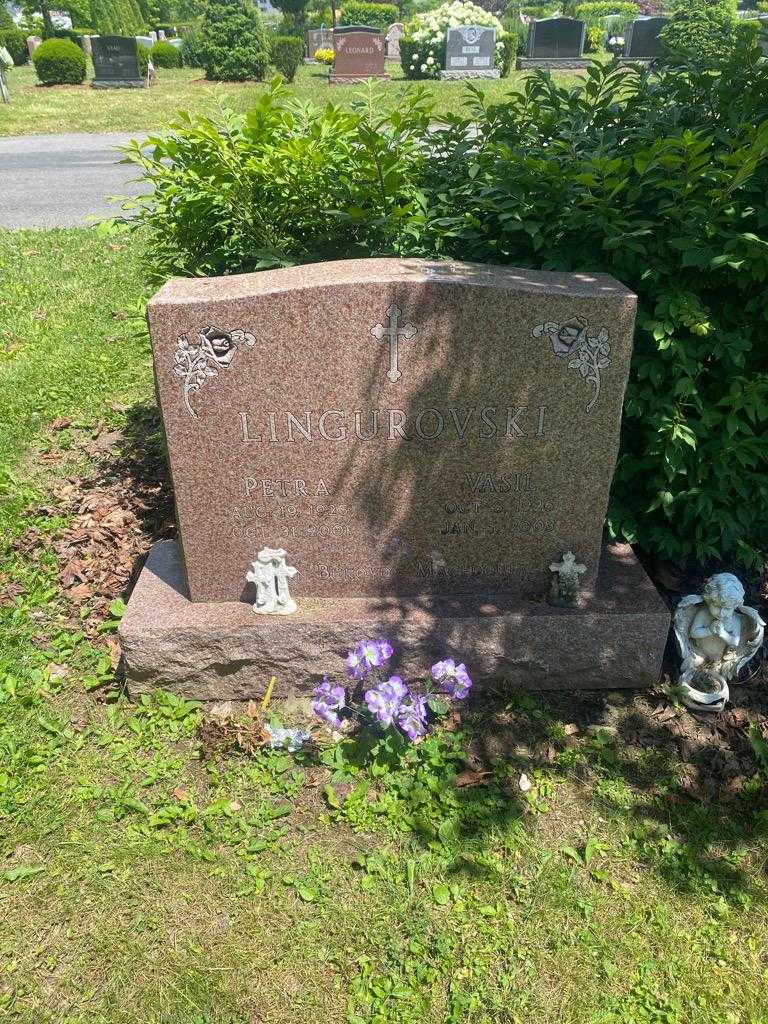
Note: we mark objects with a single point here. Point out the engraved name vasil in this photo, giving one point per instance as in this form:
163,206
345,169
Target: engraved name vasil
452,424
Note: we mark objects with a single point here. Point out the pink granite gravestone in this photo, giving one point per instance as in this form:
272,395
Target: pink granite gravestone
424,440
360,54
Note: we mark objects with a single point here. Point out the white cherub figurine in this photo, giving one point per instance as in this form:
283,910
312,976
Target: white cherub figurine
717,635
270,573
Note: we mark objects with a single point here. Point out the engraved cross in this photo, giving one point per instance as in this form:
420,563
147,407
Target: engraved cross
394,333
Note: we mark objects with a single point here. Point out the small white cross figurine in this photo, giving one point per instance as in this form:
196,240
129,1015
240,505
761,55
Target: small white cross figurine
565,585
271,574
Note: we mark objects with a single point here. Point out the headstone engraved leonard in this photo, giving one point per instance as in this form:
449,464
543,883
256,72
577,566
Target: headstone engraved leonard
470,52
116,63
556,43
318,39
642,39
360,54
394,34
421,441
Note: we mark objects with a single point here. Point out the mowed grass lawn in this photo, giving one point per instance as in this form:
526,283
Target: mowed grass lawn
36,109
140,884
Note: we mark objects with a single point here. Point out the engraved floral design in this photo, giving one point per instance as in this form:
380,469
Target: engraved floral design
198,363
590,353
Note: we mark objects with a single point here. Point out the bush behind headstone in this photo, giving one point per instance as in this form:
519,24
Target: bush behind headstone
287,55
234,47
164,55
374,15
59,62
15,42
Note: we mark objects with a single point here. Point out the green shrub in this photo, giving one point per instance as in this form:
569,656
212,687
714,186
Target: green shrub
234,45
660,179
287,55
144,54
510,41
192,48
6,21
379,16
595,39
748,32
603,8
165,55
699,31
15,42
59,62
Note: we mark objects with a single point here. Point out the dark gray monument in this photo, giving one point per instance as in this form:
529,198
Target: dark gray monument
642,40
556,43
470,52
116,63
318,39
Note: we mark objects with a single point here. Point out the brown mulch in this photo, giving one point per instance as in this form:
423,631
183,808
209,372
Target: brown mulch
115,511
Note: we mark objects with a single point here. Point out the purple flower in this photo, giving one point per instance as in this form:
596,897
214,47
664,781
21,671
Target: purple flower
412,717
329,700
366,655
385,699
453,679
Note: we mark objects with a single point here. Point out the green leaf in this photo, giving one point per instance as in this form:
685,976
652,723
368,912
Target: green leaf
23,871
441,894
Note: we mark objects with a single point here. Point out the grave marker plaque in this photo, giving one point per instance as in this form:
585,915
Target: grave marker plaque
470,52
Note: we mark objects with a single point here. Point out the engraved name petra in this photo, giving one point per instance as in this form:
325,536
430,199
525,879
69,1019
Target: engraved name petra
453,424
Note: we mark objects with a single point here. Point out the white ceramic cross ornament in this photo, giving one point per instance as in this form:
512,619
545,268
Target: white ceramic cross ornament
270,573
394,334
568,573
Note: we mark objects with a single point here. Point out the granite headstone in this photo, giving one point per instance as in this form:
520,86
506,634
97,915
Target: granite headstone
394,34
642,39
422,441
470,52
556,39
360,54
319,39
116,63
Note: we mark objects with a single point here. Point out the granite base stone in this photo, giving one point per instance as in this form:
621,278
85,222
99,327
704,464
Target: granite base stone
225,651
553,63
355,79
120,84
454,76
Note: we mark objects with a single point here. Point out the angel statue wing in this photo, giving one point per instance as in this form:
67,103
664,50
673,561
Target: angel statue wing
753,632
685,613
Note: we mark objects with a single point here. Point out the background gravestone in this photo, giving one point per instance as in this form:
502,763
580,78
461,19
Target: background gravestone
470,52
394,34
360,54
424,440
642,39
318,39
116,63
556,42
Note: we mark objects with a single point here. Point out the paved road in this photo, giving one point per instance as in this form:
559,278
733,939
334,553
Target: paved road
60,180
